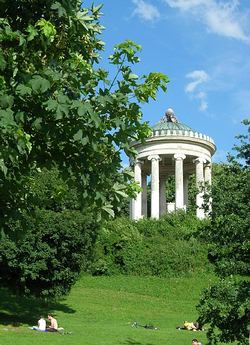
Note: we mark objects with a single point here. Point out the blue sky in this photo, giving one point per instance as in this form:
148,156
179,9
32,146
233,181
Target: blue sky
204,48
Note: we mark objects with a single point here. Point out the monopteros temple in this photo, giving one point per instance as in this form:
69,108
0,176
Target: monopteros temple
172,149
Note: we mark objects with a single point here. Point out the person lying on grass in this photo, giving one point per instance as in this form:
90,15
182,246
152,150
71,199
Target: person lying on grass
191,326
196,342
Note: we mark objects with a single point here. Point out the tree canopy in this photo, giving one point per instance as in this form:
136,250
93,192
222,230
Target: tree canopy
58,107
225,306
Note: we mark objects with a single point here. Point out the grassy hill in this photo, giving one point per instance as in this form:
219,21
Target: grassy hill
101,310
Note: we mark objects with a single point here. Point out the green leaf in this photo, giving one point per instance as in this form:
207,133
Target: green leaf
32,32
37,123
6,101
132,76
78,135
62,98
85,141
119,189
51,104
104,100
81,111
83,18
99,196
96,9
39,84
19,116
95,118
22,40
123,194
128,172
47,28
109,210
23,90
6,118
59,109
2,61
83,108
61,10
3,167
62,109
23,141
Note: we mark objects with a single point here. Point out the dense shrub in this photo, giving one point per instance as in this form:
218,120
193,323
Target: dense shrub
48,190
117,247
46,252
223,304
165,247
173,225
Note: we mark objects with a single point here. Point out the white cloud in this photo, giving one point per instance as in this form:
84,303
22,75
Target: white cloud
185,4
222,18
145,10
203,103
198,77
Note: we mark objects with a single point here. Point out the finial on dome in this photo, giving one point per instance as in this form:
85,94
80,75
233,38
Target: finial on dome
170,116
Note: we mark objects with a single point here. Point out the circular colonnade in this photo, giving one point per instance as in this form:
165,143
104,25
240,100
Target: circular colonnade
173,149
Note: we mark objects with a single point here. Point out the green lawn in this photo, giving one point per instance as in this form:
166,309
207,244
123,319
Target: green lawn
101,310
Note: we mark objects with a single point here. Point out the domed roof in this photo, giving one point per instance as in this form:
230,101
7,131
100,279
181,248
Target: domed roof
169,121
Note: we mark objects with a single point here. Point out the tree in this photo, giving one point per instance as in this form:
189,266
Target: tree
225,306
59,109
51,242
47,190
46,251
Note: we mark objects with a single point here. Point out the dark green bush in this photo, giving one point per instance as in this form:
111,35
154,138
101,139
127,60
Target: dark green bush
179,225
166,257
165,247
47,251
225,303
117,247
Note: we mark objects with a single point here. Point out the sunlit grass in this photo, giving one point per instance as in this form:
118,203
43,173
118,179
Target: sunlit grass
101,310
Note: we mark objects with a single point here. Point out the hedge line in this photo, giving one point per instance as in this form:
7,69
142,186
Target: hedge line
166,247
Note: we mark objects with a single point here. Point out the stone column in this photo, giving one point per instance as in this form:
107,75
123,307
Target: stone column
200,185
137,202
155,202
179,191
144,195
163,205
131,208
185,187
208,182
208,173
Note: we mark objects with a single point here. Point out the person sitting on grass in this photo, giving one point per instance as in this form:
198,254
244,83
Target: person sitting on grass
53,327
41,325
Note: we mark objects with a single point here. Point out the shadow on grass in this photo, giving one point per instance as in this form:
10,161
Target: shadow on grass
16,310
131,341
